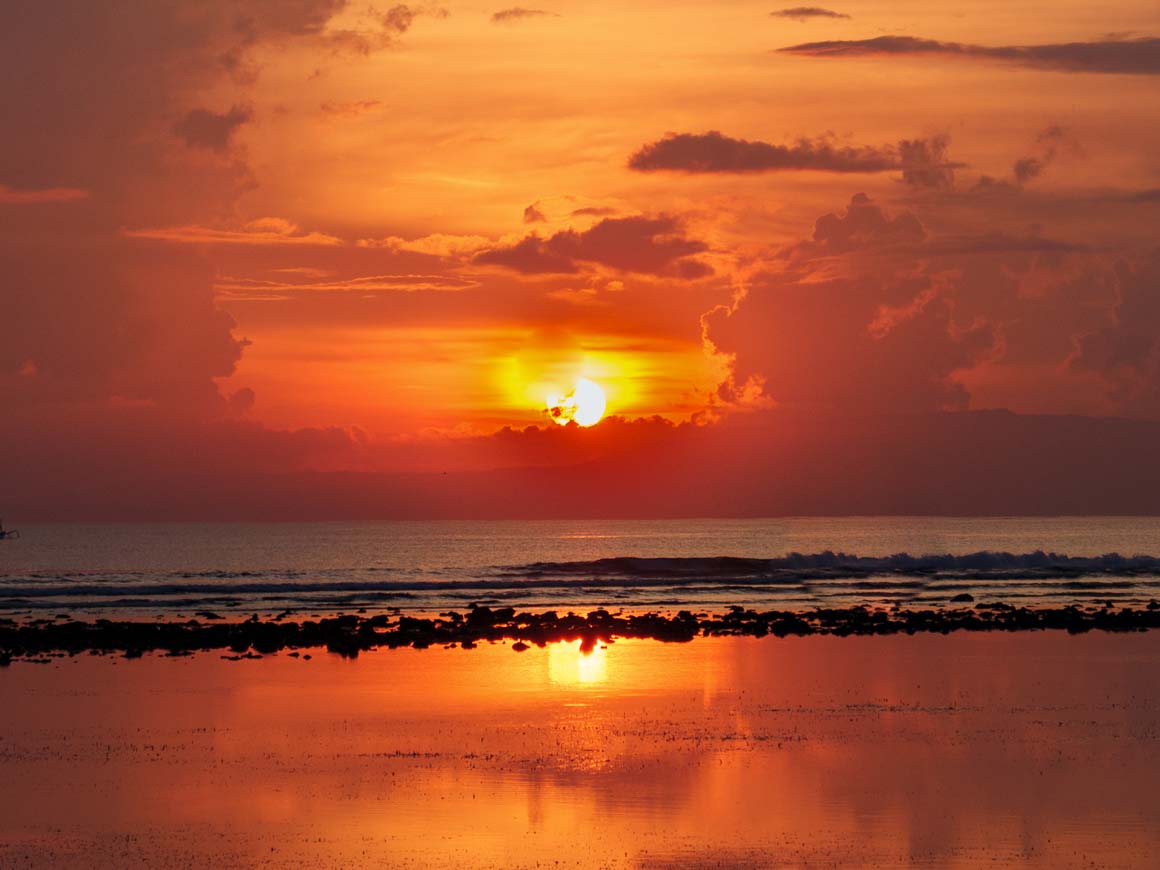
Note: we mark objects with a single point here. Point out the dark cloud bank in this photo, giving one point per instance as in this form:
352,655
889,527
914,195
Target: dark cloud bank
760,464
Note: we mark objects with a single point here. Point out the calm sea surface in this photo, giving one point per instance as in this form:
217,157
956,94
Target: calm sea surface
697,564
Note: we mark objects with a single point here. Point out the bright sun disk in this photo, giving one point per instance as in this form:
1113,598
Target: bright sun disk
585,404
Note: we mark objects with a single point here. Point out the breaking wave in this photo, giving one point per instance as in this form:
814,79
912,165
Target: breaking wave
794,580
829,564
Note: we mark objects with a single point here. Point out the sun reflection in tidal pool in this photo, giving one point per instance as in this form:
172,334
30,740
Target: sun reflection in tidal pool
569,666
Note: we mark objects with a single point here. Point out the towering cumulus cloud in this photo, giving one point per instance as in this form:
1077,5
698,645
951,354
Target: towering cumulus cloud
1126,353
101,319
115,132
854,322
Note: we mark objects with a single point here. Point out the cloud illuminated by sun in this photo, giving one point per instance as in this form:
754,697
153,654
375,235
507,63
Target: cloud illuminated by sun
584,404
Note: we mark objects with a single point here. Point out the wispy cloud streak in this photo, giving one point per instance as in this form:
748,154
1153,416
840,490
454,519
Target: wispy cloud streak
1129,56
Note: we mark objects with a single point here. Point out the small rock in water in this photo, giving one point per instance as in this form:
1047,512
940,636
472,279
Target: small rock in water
520,646
962,598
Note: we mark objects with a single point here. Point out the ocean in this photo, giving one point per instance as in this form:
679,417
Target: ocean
176,570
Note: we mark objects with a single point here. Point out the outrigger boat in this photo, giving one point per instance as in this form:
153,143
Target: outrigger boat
8,536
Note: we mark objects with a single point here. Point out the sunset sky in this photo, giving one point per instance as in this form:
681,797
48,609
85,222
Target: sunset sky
242,240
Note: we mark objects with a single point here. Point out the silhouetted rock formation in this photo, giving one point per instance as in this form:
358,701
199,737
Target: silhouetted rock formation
349,635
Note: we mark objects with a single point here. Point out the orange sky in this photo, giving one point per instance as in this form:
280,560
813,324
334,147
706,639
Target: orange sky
415,221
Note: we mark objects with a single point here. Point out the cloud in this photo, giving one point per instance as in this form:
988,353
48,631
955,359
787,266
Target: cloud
773,463
138,327
1032,166
649,245
531,255
201,128
264,231
443,245
864,226
10,196
104,319
881,310
713,152
996,242
1028,167
925,164
806,13
533,214
867,228
376,31
594,211
130,84
520,13
1126,352
350,109
398,19
1129,56
254,289
874,314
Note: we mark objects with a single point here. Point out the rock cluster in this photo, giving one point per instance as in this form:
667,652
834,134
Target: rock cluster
351,634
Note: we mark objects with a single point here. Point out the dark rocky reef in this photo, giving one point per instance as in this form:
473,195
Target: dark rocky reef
351,634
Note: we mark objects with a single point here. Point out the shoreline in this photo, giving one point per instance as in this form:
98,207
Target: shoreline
40,640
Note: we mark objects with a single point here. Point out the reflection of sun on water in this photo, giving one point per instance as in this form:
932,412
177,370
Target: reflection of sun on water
567,666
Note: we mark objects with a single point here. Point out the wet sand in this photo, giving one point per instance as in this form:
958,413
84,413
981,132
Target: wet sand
1037,749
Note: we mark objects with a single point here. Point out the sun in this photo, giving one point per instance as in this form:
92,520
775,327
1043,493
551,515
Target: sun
584,404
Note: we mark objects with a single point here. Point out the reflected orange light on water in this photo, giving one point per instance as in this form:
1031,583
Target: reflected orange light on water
568,665
742,752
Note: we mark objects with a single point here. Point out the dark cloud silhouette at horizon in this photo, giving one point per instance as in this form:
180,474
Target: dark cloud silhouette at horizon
767,463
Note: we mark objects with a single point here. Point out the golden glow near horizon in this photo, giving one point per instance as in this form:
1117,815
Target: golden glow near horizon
584,404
